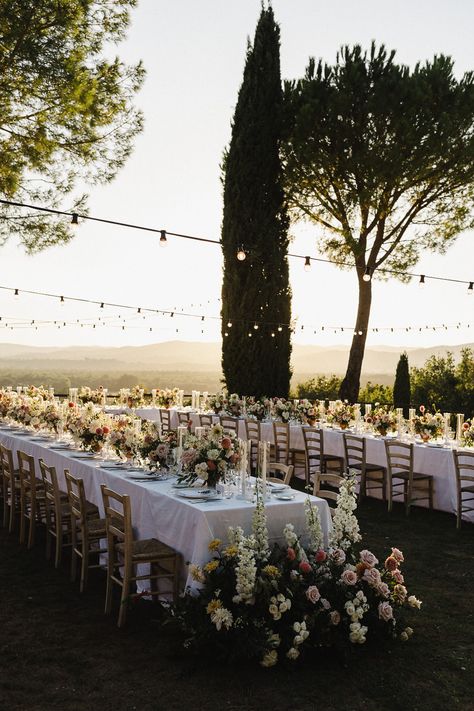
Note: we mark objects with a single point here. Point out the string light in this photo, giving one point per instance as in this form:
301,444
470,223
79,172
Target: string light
241,255
307,264
75,219
470,288
367,274
422,280
61,301
163,240
16,293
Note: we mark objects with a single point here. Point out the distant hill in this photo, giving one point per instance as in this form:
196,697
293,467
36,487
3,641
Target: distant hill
182,356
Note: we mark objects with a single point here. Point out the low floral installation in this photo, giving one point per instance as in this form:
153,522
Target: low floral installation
428,425
274,604
382,420
209,457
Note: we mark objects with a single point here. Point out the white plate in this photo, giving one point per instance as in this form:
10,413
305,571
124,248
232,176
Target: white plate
198,495
82,456
274,488
284,496
140,476
434,444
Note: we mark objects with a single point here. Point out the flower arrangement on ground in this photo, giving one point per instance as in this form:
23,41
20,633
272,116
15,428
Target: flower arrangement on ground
209,457
428,425
275,604
166,397
341,413
382,420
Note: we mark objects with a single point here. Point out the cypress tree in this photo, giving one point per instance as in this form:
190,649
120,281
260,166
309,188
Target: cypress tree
256,296
401,388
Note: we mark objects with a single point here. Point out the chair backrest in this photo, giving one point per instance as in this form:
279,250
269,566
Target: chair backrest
399,458
286,470
253,430
314,448
281,434
165,418
77,496
183,418
51,486
26,469
6,463
354,449
230,424
321,483
464,465
205,420
118,518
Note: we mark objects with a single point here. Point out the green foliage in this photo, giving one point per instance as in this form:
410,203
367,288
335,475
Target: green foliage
445,385
401,388
320,388
255,218
382,159
67,112
374,393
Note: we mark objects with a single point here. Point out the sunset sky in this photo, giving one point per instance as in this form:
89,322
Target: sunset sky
194,54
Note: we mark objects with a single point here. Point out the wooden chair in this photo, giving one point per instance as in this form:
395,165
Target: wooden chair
253,433
281,435
327,486
58,513
10,488
165,419
183,418
32,497
87,530
414,486
356,461
316,460
230,424
464,465
286,471
205,420
125,552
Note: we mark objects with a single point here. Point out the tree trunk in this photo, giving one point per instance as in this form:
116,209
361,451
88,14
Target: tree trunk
350,385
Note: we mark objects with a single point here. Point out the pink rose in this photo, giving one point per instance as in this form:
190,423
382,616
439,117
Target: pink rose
305,567
335,617
325,603
400,593
385,611
338,556
290,554
105,430
391,563
226,443
99,431
398,577
398,555
188,457
320,556
372,576
349,577
313,594
368,557
383,589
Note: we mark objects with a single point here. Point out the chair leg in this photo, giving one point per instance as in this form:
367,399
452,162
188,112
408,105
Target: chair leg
127,574
22,518
59,541
73,552
390,494
110,572
84,562
430,485
32,523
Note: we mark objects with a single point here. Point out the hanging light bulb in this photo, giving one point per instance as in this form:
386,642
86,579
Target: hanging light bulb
17,293
61,300
229,324
307,264
163,240
75,220
241,255
280,328
367,274
255,326
422,280
470,288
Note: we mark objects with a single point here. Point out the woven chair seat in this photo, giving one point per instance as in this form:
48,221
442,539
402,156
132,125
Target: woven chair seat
369,467
148,548
91,509
96,527
416,476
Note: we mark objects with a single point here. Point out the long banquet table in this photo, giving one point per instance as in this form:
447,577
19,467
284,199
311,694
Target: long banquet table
435,460
158,512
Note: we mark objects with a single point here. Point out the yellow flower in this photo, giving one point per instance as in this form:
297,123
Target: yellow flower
214,544
231,551
196,573
272,571
213,606
212,565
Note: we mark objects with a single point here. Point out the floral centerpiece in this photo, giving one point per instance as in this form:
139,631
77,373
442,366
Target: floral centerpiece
156,448
256,409
283,410
428,425
7,399
218,402
308,414
38,392
271,604
27,411
209,457
126,437
341,413
382,420
135,397
467,434
234,405
167,398
53,417
90,427
87,394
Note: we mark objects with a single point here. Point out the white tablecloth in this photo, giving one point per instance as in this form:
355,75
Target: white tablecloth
157,511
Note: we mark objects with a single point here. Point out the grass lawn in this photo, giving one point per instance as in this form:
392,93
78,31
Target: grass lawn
58,651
